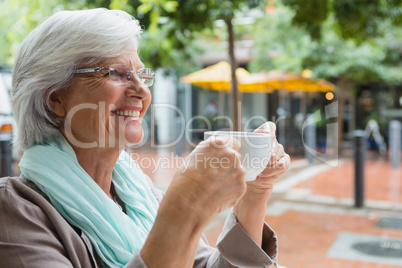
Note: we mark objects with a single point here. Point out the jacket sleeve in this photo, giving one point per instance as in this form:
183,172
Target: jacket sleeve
235,248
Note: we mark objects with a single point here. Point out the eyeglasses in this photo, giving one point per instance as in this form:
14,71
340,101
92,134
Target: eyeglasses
123,74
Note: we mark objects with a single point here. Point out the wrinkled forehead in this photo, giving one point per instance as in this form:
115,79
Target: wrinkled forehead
129,58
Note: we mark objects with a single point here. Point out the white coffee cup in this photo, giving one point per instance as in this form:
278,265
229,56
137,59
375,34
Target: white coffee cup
255,150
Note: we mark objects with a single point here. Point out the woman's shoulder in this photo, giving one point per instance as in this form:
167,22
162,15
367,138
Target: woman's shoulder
30,225
22,203
22,209
13,185
22,200
15,188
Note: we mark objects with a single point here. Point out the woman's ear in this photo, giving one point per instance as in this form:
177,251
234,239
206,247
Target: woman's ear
56,104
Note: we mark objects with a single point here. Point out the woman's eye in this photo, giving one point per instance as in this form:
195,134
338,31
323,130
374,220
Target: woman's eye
114,75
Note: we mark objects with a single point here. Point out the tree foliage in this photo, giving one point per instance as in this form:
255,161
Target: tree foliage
371,61
195,15
280,44
353,19
354,41
20,17
178,24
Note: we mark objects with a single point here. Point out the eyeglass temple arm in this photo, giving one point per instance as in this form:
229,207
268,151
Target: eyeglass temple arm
89,70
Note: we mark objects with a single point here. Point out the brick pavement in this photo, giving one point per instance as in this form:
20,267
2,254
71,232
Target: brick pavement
382,182
306,236
310,215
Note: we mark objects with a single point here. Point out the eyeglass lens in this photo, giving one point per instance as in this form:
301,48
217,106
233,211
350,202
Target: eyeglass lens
122,74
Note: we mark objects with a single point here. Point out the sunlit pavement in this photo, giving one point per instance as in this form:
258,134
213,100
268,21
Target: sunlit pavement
313,216
312,211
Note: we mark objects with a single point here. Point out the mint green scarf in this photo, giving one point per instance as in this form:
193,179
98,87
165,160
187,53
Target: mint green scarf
116,237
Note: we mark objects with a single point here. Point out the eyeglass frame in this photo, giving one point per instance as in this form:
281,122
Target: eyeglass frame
99,69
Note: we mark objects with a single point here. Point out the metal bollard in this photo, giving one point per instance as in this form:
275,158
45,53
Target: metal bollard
6,159
395,143
359,143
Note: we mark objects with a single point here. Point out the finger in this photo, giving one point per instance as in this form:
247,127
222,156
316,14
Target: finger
234,143
230,164
225,141
271,173
280,167
275,171
284,162
272,160
268,127
228,147
203,144
279,151
239,166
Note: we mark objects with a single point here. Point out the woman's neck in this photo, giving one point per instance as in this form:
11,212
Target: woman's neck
99,164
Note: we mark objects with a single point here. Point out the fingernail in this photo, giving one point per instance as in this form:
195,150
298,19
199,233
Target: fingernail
281,164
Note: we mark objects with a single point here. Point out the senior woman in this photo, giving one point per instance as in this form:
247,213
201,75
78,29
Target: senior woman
79,94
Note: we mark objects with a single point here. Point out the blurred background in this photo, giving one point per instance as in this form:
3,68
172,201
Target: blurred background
320,69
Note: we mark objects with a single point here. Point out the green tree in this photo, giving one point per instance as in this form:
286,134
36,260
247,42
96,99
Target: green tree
192,16
278,44
352,19
316,35
162,44
360,26
20,17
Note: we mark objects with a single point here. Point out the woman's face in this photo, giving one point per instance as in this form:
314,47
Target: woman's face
100,112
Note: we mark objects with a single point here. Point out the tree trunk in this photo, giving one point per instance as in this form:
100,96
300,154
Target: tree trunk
344,88
235,96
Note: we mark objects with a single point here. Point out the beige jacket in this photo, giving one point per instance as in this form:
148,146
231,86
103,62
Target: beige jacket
34,234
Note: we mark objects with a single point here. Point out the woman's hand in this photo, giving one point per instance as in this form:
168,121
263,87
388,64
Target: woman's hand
210,181
278,165
212,178
250,210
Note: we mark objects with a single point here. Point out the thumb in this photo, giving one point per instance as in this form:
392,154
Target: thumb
234,143
268,127
226,141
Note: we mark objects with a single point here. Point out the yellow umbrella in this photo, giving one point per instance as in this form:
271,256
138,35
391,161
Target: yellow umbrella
216,77
263,81
256,82
275,79
291,81
324,85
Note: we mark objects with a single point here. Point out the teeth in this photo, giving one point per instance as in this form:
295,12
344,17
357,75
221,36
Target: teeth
127,113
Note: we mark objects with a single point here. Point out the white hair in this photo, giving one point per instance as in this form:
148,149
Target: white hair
47,57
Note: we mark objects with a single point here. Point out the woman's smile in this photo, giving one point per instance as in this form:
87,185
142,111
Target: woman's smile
128,113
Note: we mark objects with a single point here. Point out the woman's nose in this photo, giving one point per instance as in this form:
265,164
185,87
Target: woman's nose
135,88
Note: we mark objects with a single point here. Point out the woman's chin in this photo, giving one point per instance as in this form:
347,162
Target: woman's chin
133,135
